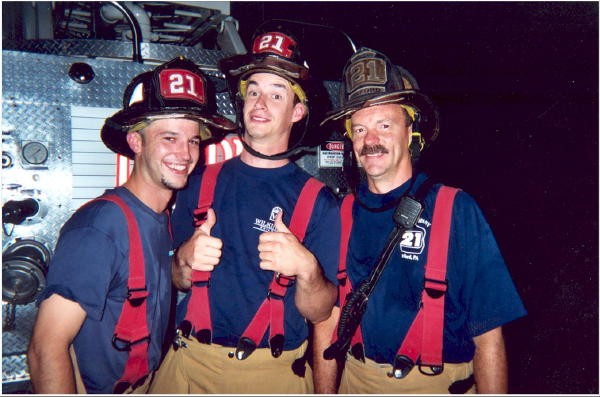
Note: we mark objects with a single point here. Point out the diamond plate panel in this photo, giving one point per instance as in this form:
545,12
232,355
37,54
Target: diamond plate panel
151,52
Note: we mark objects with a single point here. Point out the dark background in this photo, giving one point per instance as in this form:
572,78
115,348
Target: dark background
517,88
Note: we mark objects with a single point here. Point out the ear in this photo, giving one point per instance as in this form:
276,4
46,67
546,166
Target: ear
299,112
134,139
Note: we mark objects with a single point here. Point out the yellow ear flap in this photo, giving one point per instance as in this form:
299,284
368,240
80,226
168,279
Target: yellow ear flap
243,88
410,110
299,92
348,126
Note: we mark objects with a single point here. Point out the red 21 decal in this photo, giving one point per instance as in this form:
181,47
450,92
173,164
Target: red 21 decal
275,42
181,84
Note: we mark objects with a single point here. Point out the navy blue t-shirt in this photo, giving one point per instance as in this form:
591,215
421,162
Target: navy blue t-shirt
91,265
481,294
246,199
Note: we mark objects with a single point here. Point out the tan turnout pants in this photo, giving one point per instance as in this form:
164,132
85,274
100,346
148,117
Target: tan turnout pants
371,378
209,369
80,387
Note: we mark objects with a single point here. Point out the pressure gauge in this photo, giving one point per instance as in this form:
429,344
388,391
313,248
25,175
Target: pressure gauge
35,153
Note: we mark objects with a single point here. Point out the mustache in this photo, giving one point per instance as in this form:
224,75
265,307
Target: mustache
373,149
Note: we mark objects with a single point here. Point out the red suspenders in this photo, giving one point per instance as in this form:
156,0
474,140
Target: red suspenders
131,332
198,311
271,312
424,340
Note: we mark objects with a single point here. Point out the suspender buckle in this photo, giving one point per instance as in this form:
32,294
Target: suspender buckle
276,344
435,288
402,366
123,345
274,295
200,215
201,283
244,348
136,296
285,281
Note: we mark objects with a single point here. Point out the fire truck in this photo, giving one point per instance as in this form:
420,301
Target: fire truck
65,66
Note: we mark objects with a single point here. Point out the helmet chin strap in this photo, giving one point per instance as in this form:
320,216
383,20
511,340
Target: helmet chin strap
297,148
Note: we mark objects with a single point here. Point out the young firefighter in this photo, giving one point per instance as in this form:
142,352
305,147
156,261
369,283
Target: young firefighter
437,291
261,264
108,290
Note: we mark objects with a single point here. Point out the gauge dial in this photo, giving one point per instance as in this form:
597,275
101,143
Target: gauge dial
35,153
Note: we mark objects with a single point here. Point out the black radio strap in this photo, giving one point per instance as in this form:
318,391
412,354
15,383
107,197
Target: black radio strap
406,215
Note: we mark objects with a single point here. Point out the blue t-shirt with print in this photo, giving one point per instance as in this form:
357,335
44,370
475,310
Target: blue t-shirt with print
481,294
246,199
91,266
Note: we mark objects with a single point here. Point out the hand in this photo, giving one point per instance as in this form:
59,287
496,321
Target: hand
201,251
281,251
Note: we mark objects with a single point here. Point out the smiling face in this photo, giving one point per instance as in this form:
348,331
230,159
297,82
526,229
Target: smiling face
166,152
380,137
269,112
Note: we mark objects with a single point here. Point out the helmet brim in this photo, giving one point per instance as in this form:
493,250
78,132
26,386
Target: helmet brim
429,115
240,66
114,131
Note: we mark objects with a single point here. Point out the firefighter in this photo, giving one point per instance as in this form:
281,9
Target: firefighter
433,316
257,239
108,290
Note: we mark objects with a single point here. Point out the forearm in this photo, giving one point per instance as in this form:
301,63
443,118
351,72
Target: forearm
51,370
315,295
325,372
489,363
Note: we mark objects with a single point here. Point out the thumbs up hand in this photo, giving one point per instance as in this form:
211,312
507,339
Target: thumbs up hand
200,252
281,251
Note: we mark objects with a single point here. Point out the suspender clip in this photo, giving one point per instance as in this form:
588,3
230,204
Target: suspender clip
204,336
245,347
276,344
358,351
402,366
431,370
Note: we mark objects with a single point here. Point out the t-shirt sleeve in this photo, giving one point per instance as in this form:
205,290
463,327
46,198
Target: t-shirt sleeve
489,293
323,234
82,269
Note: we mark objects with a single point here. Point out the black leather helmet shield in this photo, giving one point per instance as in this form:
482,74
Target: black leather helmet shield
371,79
176,89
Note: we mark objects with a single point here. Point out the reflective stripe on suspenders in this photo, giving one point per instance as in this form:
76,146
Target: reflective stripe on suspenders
424,341
131,332
271,311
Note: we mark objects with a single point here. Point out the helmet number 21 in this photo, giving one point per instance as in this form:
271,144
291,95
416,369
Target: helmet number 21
365,71
181,84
